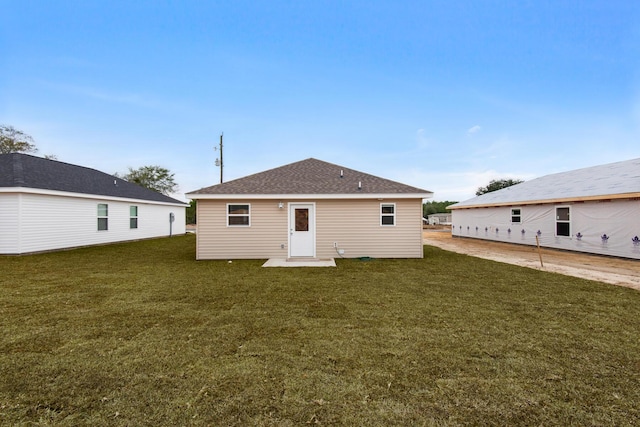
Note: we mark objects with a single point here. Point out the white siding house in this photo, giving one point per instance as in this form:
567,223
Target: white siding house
48,205
595,210
309,209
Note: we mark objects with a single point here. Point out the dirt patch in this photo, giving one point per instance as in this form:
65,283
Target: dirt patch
615,271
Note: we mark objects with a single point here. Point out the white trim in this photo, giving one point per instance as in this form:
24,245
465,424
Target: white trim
383,214
561,221
307,196
512,215
312,222
27,190
248,215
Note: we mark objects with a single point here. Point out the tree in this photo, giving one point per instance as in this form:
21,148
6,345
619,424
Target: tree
431,207
190,213
497,184
154,178
13,140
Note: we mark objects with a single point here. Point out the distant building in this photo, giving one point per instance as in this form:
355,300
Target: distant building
47,205
595,210
439,219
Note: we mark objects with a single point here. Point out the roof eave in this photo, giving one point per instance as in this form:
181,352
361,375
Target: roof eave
196,196
29,190
550,201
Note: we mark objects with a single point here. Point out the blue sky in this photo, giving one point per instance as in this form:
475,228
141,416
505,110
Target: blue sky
443,95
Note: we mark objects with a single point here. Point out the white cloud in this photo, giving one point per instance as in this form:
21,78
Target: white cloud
421,138
474,129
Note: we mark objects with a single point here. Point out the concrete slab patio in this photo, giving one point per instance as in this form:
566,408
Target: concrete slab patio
295,262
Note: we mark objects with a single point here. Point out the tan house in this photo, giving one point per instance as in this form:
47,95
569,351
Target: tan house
307,210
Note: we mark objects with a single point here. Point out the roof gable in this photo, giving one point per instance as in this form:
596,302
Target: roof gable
613,180
26,171
310,176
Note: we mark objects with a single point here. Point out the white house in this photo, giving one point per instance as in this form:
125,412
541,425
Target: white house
48,205
595,210
309,209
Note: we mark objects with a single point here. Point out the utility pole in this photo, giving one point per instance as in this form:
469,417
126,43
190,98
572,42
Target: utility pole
219,161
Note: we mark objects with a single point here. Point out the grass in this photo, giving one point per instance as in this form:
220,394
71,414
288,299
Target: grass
142,334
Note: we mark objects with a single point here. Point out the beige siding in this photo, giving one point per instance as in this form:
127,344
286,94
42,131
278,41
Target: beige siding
353,224
262,239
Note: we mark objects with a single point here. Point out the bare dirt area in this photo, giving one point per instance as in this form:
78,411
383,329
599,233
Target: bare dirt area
615,271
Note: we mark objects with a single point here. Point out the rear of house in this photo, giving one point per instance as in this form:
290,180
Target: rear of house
594,210
309,209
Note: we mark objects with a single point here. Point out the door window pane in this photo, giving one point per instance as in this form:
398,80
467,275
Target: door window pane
302,219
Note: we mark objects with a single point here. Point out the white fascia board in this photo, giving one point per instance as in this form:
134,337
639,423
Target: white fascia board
307,196
27,190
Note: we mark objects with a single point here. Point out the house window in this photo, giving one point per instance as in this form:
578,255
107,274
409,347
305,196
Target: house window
238,215
387,214
563,223
103,216
133,217
516,216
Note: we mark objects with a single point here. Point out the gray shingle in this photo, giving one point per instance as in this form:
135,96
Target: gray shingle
310,176
611,179
23,170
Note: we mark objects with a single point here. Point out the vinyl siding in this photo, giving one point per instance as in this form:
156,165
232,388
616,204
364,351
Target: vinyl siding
9,223
53,222
262,239
353,224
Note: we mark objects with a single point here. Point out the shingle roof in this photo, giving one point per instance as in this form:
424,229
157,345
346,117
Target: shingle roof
310,176
613,180
23,170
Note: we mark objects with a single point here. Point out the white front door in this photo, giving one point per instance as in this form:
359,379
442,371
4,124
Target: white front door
302,230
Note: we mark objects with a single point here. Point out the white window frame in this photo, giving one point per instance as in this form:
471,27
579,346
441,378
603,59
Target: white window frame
131,217
104,216
518,215
386,214
248,215
561,221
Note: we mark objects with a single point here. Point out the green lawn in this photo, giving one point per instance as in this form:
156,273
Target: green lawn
142,334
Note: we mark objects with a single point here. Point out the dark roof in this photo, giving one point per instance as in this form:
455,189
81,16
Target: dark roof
23,170
310,176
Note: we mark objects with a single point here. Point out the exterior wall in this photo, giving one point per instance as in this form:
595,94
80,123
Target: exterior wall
606,228
9,223
352,223
49,222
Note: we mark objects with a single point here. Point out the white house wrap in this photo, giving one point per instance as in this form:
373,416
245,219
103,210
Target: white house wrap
595,210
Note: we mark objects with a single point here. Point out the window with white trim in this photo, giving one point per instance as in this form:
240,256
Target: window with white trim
387,214
133,217
563,221
516,215
103,216
238,215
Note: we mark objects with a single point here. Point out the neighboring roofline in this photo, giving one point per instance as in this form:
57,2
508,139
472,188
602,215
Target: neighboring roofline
39,191
603,197
196,196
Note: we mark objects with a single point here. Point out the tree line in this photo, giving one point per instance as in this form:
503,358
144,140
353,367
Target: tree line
161,180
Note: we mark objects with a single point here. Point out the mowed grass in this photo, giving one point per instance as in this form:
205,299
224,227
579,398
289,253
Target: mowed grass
142,334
